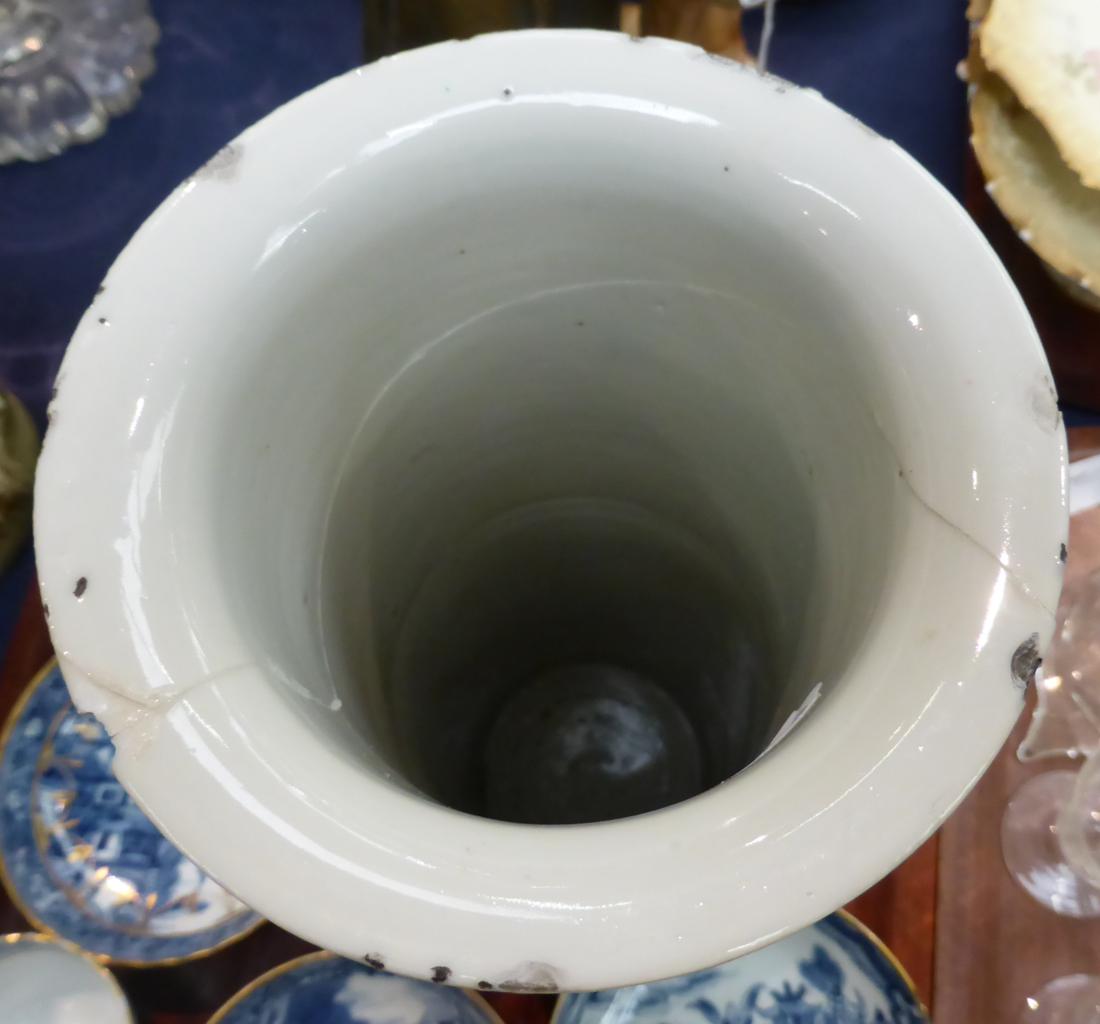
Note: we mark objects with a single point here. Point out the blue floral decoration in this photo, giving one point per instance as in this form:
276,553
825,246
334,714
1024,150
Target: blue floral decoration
82,860
327,989
830,973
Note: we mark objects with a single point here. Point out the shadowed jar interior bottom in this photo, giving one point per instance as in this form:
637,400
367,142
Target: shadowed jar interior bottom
586,744
579,660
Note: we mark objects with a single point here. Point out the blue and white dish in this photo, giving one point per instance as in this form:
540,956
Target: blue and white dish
834,972
79,858
323,988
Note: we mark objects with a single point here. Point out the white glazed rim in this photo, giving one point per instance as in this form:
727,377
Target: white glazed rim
438,894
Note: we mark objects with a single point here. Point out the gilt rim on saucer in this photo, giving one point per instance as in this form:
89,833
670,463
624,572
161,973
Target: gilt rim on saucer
106,944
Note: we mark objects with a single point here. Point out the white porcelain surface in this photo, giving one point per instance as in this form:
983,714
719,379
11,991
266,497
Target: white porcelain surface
44,982
580,267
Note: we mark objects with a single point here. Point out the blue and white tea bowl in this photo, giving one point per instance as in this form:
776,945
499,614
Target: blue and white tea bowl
323,988
834,972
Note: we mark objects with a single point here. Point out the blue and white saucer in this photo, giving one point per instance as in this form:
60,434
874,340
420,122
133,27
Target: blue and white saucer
834,972
81,861
323,988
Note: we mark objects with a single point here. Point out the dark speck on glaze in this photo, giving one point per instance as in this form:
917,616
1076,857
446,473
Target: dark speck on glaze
1025,660
81,587
440,974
